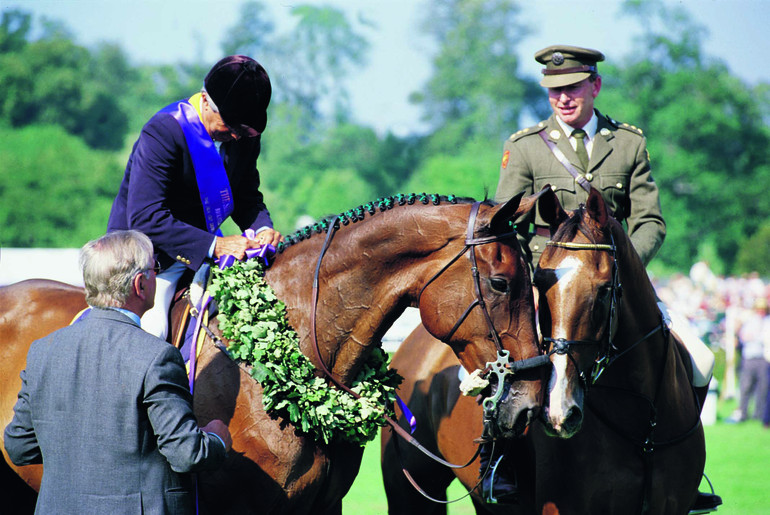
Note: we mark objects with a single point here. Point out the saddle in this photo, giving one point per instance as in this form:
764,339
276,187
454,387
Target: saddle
183,310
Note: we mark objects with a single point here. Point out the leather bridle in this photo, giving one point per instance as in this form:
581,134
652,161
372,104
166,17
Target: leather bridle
608,350
610,353
503,366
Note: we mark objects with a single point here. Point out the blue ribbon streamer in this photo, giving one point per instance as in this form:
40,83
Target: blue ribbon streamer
213,185
407,414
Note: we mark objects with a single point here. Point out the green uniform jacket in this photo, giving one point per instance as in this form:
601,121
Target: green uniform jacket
619,167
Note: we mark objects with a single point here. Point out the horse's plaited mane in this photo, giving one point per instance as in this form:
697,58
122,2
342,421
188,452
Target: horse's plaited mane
359,213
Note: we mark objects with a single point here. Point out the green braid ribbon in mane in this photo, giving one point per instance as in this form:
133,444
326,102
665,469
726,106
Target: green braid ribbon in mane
254,320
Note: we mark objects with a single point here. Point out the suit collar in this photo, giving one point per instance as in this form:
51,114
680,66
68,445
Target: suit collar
111,314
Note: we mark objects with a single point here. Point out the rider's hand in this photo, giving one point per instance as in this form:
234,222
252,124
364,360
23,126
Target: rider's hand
234,246
268,237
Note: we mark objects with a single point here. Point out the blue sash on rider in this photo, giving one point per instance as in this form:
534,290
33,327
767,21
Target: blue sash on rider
213,185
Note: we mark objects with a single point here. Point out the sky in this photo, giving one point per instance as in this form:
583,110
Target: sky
165,31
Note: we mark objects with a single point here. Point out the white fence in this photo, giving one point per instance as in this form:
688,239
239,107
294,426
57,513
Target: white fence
57,264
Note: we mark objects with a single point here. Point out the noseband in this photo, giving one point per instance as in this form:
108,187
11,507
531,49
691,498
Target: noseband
608,350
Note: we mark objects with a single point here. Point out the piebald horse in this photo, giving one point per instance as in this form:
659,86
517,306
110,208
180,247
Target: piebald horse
455,260
620,430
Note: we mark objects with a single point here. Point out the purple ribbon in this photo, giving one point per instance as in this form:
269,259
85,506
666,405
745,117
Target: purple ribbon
213,185
194,348
407,414
264,252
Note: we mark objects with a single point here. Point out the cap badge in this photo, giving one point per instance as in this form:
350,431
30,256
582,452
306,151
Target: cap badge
558,58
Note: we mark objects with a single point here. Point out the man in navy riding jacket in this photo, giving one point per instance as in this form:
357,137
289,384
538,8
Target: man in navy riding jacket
106,407
194,165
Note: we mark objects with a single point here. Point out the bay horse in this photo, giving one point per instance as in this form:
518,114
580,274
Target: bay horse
404,253
620,430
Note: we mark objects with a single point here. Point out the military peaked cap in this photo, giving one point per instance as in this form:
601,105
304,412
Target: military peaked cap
565,65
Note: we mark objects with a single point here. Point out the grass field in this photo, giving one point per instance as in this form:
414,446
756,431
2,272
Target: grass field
737,463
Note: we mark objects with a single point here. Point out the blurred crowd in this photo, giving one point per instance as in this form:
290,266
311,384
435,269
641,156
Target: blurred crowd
731,315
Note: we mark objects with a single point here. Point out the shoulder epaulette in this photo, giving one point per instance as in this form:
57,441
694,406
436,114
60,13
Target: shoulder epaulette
626,126
527,131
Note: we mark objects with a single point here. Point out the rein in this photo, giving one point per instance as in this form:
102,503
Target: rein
333,226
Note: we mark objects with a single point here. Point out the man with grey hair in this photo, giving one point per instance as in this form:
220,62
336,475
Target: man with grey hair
105,406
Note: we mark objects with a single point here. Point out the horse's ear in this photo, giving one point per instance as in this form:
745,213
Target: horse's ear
550,208
503,213
596,208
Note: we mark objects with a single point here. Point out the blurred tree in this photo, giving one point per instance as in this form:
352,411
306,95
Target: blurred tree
752,256
56,194
49,81
156,86
15,25
476,89
309,64
318,56
253,33
707,134
470,172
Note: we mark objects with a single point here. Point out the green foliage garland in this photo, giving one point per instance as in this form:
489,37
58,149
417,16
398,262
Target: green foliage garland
254,320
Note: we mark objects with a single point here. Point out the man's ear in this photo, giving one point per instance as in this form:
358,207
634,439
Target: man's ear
138,285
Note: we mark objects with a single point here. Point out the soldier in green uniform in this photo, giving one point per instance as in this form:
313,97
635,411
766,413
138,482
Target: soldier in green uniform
606,154
576,149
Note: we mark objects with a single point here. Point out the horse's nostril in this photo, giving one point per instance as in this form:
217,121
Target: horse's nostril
573,420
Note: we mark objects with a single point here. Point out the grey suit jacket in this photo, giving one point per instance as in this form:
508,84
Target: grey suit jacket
105,407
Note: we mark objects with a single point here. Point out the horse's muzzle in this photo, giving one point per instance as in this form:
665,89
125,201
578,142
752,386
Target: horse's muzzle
516,395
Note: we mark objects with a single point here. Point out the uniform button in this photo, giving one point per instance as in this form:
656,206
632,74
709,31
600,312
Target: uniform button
619,185
536,247
589,177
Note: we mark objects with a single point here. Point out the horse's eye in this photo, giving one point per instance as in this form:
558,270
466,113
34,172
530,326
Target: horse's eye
603,294
498,284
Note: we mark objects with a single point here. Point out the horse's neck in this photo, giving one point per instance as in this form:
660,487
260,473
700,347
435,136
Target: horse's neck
364,285
640,332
